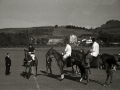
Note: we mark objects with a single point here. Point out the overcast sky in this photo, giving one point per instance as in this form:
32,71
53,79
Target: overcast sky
32,13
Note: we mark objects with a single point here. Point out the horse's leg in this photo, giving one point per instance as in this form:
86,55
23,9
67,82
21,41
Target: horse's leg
29,73
25,71
62,74
76,71
86,74
111,78
36,70
82,76
50,70
107,79
32,70
89,71
73,71
46,69
36,64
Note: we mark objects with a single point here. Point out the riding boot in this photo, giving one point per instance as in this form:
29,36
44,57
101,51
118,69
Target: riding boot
64,61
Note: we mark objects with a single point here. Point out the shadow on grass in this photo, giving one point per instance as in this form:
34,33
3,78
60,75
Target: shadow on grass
69,76
49,75
25,75
95,81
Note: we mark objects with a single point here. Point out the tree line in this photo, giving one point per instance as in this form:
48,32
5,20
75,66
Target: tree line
14,40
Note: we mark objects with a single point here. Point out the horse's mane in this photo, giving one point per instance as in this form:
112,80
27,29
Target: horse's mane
56,51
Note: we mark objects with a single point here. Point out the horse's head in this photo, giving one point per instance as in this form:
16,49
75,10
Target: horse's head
27,55
50,52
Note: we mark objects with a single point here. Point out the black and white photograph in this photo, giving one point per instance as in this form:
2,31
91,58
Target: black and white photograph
59,44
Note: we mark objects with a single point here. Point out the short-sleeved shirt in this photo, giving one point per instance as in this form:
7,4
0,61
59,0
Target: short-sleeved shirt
31,49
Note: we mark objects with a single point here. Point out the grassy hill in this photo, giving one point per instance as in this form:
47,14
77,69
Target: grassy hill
111,26
66,32
43,31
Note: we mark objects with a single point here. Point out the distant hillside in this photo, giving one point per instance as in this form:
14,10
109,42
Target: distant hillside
111,26
46,31
65,32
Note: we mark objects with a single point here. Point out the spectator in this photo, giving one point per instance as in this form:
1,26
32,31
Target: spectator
8,64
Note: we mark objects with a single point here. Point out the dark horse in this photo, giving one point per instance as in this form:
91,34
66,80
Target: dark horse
109,62
29,64
77,58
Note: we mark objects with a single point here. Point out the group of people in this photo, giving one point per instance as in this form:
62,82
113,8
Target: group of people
67,52
94,52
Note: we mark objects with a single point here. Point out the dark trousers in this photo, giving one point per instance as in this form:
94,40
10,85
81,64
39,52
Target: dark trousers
7,72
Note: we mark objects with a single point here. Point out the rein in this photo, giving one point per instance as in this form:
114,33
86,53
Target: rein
54,53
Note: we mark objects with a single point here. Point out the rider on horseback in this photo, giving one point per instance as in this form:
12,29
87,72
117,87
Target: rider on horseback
31,51
67,52
94,52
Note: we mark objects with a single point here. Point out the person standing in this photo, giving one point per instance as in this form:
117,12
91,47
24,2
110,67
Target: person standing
8,64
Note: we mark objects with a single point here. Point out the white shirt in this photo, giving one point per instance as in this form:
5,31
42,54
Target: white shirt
68,49
95,49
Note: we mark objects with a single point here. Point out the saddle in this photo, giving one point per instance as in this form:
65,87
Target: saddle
68,61
94,62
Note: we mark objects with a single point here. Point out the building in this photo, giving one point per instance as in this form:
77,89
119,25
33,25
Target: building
73,39
54,41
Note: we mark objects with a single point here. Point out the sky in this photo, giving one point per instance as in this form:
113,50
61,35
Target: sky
35,13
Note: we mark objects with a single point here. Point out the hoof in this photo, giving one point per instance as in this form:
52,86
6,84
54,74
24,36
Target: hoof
81,80
60,79
105,84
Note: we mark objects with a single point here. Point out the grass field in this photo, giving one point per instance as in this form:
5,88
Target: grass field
15,81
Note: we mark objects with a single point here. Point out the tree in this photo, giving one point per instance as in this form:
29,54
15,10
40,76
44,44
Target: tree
56,26
44,41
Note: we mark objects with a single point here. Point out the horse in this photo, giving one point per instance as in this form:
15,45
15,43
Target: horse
77,58
58,58
29,64
107,61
